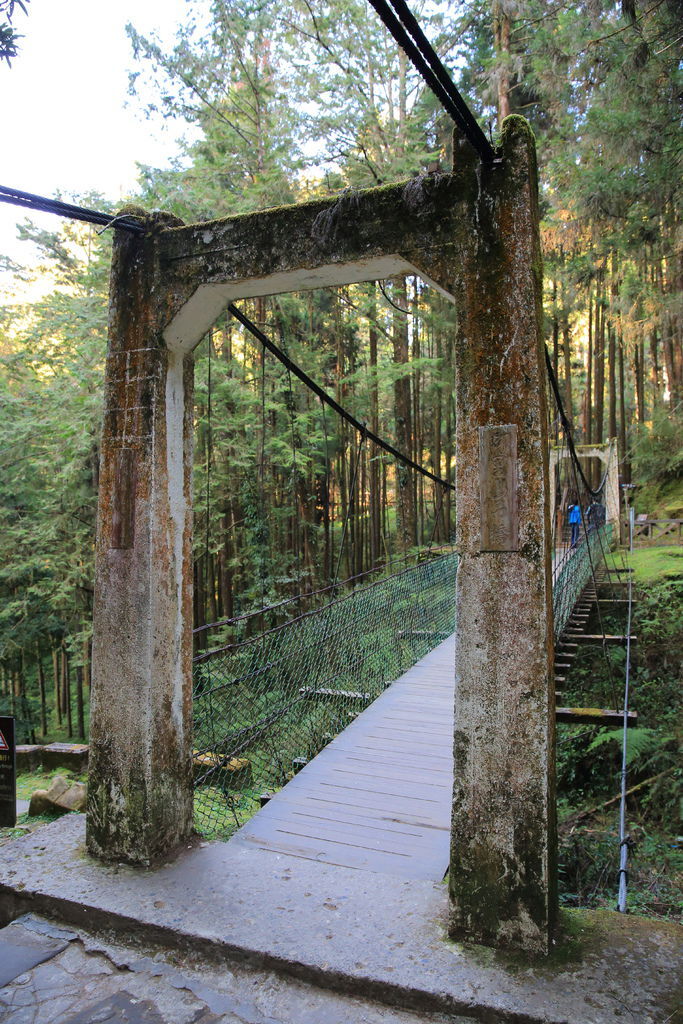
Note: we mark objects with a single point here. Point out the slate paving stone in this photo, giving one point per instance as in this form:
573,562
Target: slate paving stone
121,1008
18,956
90,981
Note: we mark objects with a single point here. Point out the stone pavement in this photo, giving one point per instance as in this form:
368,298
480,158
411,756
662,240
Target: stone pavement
62,976
362,934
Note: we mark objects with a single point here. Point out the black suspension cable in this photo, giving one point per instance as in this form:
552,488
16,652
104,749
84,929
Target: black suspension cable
41,204
323,396
402,24
594,492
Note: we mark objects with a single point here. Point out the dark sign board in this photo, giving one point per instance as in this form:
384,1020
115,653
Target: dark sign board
8,774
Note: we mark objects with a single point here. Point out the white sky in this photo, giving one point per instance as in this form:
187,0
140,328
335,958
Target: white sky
67,121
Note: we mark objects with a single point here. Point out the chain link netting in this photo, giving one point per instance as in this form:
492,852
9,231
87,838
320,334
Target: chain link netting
573,568
265,705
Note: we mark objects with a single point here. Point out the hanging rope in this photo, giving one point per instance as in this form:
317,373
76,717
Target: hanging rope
324,397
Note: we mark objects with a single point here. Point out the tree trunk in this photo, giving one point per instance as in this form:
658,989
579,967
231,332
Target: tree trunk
588,422
66,688
556,333
611,343
80,715
375,494
600,370
626,463
655,370
56,676
41,690
639,375
404,433
566,340
501,39
440,533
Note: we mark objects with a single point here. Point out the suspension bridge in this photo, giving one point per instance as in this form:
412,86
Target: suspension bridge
339,721
291,697
351,698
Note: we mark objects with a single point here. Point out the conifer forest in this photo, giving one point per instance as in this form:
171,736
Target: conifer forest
291,101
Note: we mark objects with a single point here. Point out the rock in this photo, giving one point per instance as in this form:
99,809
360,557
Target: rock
75,797
62,796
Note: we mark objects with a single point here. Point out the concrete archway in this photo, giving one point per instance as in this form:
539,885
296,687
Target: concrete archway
472,234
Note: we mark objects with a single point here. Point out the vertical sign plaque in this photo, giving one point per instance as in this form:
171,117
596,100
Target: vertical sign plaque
498,488
8,774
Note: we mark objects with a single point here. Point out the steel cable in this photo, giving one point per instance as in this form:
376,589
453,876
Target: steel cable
324,397
41,204
402,24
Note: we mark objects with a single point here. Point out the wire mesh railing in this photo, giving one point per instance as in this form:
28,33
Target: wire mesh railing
265,705
573,568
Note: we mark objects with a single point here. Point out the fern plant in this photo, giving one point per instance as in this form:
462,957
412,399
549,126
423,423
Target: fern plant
641,744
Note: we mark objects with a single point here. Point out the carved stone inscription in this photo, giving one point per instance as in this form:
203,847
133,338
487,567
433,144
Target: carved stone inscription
498,488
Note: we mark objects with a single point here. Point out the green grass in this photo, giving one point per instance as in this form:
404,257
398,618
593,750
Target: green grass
218,814
27,782
651,564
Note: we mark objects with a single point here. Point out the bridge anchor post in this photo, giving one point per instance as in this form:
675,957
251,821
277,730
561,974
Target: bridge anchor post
140,771
502,870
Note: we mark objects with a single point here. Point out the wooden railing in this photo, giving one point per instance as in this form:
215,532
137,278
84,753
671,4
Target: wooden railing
654,531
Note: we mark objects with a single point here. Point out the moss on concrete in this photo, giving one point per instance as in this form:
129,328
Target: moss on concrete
582,935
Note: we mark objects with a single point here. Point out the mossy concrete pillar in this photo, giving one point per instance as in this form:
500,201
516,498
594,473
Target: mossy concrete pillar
502,870
140,773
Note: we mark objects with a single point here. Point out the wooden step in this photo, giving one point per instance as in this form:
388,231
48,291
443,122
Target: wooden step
306,691
597,638
594,716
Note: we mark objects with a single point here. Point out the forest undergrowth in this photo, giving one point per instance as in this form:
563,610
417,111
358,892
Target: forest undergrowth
589,759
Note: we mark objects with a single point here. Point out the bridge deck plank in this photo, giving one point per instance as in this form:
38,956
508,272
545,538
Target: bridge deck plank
378,797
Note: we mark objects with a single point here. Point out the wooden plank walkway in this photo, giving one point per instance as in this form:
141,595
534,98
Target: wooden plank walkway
378,797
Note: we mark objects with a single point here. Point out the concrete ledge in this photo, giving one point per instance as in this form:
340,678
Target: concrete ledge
73,756
357,932
65,755
28,757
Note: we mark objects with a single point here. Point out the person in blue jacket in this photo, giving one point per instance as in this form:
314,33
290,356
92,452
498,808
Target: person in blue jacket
575,523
